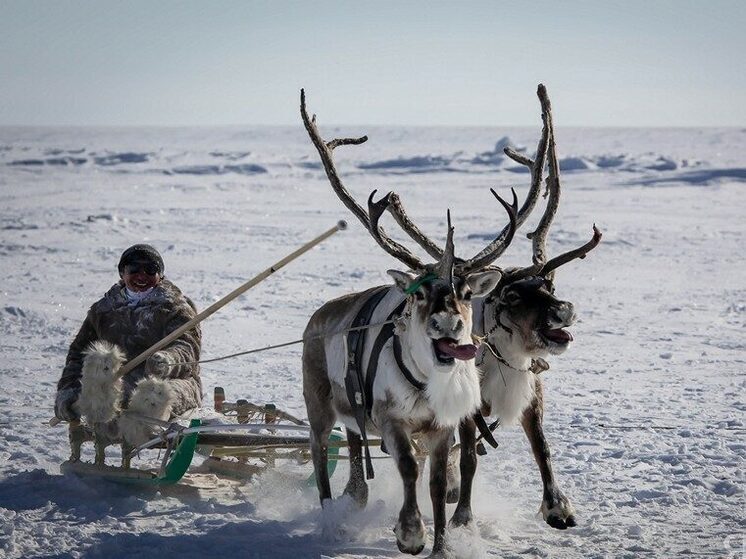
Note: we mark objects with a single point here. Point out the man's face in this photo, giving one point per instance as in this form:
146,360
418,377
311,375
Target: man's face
140,275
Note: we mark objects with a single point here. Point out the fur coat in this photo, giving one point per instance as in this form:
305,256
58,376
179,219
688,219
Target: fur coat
134,326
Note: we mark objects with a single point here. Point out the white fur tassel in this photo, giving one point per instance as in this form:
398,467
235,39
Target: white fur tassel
101,391
152,397
454,395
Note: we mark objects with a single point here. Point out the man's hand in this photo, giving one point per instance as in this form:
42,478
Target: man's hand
64,409
159,364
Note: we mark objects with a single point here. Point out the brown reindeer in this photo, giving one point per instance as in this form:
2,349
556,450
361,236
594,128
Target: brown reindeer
522,323
416,378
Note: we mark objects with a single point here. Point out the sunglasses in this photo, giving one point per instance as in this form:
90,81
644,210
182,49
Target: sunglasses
149,268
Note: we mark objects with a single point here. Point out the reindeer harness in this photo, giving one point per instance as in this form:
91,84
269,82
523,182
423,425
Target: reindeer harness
359,386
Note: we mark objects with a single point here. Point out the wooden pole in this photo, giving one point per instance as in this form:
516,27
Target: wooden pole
340,226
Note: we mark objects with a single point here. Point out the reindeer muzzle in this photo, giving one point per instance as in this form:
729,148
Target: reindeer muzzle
557,335
449,348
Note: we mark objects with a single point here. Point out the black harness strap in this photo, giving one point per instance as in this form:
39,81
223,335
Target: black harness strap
485,430
359,389
386,332
354,382
406,372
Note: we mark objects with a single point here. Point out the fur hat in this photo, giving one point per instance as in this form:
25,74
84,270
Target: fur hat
141,253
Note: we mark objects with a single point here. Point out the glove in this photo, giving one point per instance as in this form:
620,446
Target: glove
159,364
64,409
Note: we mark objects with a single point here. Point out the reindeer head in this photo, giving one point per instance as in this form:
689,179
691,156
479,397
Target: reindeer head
439,308
529,319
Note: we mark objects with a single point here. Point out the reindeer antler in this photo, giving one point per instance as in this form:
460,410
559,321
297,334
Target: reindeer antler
549,268
445,265
325,149
498,246
540,265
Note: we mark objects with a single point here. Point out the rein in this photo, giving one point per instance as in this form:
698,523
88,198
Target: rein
285,344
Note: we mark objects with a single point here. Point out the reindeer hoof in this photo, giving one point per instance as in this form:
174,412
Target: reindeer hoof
453,495
410,536
358,492
560,523
558,512
411,550
461,517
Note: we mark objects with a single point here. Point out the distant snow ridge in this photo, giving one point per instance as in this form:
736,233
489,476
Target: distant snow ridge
496,159
124,157
699,177
242,169
230,155
120,161
49,161
417,164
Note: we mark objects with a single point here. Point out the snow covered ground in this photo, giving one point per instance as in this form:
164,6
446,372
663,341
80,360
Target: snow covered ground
660,342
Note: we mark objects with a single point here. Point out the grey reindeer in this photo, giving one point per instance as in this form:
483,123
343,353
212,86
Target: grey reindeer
417,378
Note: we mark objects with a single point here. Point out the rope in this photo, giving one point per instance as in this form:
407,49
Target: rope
285,344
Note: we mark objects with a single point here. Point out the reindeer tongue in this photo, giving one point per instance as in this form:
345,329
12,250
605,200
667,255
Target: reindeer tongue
558,335
450,348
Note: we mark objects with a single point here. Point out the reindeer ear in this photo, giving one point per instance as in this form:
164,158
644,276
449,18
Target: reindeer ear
482,283
403,279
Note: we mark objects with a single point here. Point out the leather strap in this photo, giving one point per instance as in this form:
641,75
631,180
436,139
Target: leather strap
354,382
406,372
485,430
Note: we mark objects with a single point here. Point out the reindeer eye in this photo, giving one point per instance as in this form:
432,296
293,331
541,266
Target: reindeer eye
467,296
512,298
419,295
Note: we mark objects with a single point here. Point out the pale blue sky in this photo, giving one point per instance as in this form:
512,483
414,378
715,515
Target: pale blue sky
625,63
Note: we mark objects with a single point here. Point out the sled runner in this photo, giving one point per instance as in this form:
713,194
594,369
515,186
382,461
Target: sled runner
172,470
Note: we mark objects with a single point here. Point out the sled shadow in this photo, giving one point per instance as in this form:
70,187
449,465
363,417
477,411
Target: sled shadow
248,540
90,499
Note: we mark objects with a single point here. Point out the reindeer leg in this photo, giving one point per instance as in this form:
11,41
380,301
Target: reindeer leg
99,444
76,434
467,434
356,487
440,447
557,510
453,474
317,392
320,454
409,530
126,458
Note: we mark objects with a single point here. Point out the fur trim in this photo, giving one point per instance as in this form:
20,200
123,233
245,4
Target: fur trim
152,397
453,396
101,390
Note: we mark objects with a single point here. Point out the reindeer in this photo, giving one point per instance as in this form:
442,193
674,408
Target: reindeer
419,377
521,322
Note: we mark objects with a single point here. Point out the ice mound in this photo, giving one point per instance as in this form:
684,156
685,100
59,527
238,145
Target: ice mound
575,164
497,156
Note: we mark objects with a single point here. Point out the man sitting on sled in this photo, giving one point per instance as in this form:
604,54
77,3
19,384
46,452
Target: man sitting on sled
142,308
